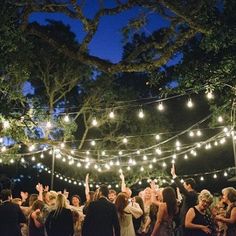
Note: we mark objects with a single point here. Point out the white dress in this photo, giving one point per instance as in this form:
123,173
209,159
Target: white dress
126,222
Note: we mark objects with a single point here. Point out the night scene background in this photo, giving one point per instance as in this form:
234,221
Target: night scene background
101,87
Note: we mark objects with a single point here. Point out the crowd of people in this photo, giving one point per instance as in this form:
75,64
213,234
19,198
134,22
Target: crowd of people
155,211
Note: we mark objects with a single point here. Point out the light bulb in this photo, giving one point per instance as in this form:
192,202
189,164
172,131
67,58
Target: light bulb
94,122
160,106
141,114
125,140
190,103
66,118
220,119
112,115
210,95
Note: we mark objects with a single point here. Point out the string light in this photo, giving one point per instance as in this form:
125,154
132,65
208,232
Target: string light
141,114
66,119
190,103
160,106
220,119
112,115
94,122
210,95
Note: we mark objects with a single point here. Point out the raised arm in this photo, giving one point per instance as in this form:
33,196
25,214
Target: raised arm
87,187
123,185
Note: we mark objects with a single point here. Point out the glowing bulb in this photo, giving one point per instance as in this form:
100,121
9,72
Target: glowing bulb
120,153
160,106
1,140
93,143
94,122
62,145
125,140
199,133
201,178
214,176
138,152
3,149
78,164
225,174
87,152
142,169
103,153
220,119
66,119
112,115
190,103
210,95
31,148
158,151
128,168
163,164
154,160
49,125
6,124
185,156
41,156
144,157
150,166
141,114
191,133
157,137
33,158
177,143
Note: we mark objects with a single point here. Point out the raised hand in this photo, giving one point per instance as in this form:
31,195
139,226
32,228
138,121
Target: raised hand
122,177
66,194
172,171
39,187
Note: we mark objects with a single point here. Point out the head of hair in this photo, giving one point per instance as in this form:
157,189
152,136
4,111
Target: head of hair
205,195
231,193
76,196
103,190
121,203
60,201
169,197
191,182
139,200
6,194
112,191
33,197
37,205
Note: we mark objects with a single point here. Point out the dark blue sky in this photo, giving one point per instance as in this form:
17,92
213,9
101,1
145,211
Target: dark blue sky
107,42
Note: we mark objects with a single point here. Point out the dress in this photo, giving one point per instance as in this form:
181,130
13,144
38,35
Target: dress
126,221
166,227
231,228
200,219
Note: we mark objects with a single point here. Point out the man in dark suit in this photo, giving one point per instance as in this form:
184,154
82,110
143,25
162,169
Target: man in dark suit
190,196
11,215
101,218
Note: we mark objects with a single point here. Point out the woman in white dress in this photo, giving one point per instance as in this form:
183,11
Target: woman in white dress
126,210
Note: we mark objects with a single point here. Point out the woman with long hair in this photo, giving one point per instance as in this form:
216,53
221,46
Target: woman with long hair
166,212
60,221
126,210
229,197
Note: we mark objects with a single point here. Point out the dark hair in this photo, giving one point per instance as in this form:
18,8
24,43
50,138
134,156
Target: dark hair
121,203
104,190
190,181
112,191
76,196
169,197
5,194
38,204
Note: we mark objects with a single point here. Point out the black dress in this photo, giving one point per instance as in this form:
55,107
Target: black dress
60,224
231,228
33,230
200,219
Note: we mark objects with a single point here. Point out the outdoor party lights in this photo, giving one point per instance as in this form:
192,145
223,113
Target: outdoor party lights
125,140
141,169
201,178
141,114
225,174
62,145
66,119
163,164
160,106
31,148
3,149
215,176
1,140
6,124
41,156
94,122
103,153
177,143
220,119
190,103
78,164
138,152
120,153
112,115
144,157
150,166
185,156
191,134
199,133
93,143
128,168
158,151
154,160
210,95
48,125
117,163
157,137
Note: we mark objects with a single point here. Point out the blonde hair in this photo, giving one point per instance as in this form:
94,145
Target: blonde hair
205,195
231,193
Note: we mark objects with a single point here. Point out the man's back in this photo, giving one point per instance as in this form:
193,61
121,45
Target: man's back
101,219
10,218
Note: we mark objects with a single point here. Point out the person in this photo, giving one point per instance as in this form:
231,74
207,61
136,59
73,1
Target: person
11,215
190,196
197,221
166,212
125,212
229,197
112,195
36,228
59,222
101,217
